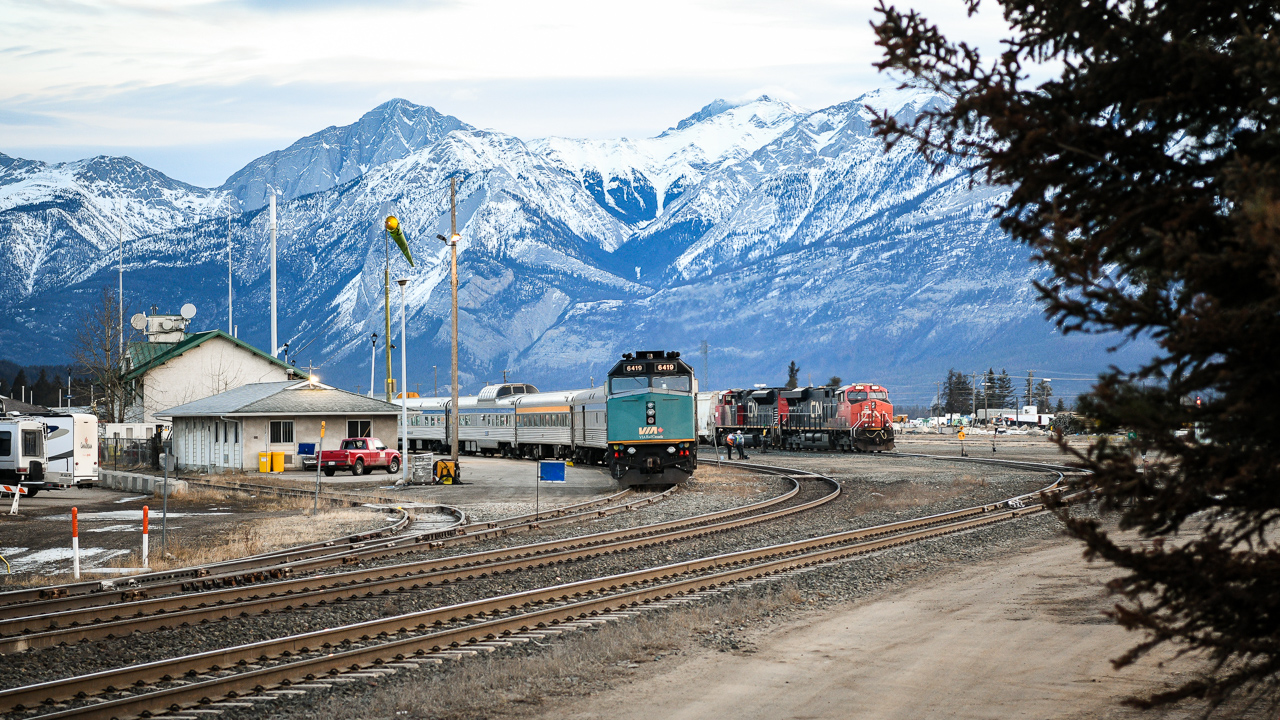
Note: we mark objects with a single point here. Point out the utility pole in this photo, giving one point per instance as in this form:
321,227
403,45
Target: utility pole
275,348
504,376
452,242
404,383
1030,386
705,351
974,380
435,374
453,278
386,297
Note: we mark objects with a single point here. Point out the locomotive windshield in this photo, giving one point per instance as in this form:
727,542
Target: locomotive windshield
625,384
856,396
678,383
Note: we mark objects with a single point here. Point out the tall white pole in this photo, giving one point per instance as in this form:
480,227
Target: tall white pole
231,327
275,347
121,295
404,391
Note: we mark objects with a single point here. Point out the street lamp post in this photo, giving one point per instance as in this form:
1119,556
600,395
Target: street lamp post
404,392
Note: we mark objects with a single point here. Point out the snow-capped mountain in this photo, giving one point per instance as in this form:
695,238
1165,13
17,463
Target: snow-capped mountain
772,232
337,155
60,222
636,179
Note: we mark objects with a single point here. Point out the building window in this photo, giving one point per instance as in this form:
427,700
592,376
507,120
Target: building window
359,428
281,431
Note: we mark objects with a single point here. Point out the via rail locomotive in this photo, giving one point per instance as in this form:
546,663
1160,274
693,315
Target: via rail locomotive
640,424
857,417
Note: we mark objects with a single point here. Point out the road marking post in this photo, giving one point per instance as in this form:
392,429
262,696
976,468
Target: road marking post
13,510
75,543
146,520
548,471
315,505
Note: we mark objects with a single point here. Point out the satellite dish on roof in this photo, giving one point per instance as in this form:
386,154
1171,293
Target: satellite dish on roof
188,311
138,321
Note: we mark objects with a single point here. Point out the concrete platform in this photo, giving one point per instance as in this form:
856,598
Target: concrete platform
484,480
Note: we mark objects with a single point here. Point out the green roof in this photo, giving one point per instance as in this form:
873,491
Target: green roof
146,356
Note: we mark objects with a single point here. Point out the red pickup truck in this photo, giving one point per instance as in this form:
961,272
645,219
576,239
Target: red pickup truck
360,456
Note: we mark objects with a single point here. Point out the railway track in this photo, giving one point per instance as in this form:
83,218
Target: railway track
283,563
271,667
110,620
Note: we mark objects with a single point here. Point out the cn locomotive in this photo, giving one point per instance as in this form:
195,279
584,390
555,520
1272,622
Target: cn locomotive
854,418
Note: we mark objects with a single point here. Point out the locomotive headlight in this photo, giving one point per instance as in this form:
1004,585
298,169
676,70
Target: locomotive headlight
631,451
671,450
650,412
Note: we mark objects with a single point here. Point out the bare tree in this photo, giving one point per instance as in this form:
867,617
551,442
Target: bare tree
95,352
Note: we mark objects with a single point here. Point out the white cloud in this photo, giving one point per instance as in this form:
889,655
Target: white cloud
166,73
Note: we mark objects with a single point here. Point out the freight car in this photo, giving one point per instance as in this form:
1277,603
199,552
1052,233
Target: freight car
857,417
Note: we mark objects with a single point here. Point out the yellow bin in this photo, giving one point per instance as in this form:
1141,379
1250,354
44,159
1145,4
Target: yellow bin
264,462
277,462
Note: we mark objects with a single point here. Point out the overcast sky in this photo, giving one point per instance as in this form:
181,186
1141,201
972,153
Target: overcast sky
197,88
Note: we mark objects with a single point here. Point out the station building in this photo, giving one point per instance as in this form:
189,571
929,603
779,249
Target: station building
226,431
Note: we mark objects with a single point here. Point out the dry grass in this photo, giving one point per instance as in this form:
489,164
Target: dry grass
575,664
253,537
258,503
910,495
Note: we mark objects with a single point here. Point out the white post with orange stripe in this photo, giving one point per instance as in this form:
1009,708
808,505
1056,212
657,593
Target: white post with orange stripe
146,518
75,543
17,492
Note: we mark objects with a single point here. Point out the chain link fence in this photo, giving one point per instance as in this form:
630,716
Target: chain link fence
117,453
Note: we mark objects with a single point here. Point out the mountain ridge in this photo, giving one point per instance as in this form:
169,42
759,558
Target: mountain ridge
793,226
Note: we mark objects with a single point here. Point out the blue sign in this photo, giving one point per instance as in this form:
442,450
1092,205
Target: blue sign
551,470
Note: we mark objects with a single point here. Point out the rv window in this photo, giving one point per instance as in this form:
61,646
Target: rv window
31,443
6,443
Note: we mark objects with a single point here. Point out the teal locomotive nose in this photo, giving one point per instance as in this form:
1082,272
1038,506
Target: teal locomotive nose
652,423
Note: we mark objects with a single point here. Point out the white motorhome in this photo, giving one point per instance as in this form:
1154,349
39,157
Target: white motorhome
72,449
22,452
